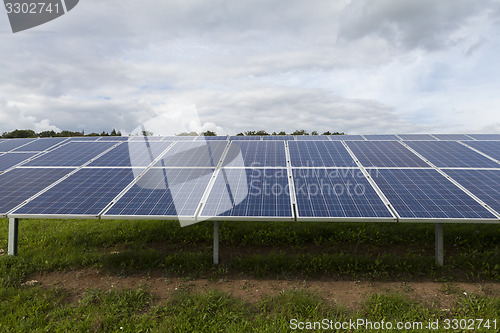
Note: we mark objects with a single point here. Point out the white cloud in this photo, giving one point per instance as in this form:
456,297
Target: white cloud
360,66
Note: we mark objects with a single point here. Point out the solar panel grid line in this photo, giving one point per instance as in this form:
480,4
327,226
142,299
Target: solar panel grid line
472,139
377,189
129,186
419,155
472,195
324,154
480,152
482,137
291,183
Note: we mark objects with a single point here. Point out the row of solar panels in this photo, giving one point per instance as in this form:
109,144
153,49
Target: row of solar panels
410,154
334,181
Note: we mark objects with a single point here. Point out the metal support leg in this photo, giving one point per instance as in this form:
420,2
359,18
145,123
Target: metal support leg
439,243
13,236
216,243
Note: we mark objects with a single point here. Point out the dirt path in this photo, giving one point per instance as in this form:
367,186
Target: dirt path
346,293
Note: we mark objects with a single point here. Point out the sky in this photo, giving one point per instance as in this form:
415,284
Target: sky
359,67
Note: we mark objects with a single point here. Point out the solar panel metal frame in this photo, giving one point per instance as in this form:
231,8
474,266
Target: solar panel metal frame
487,137
312,138
416,137
381,137
345,137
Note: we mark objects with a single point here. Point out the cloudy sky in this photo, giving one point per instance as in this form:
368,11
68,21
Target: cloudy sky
359,66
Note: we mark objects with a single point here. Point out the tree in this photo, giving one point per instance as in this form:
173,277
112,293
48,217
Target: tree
337,133
240,134
314,133
19,134
249,133
281,133
187,134
300,132
47,134
261,132
208,133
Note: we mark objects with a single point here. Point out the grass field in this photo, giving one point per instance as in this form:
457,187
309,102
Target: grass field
289,254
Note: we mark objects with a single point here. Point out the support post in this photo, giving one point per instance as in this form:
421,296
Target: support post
439,243
13,236
216,242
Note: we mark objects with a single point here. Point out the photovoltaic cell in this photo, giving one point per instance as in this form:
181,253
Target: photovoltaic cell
179,138
249,193
18,185
426,194
485,136
256,154
71,154
336,194
416,137
193,154
452,137
8,160
490,148
346,137
278,137
85,193
41,144
482,183
164,193
450,154
11,144
384,154
244,137
381,137
84,138
209,138
312,137
113,138
319,154
145,138
132,154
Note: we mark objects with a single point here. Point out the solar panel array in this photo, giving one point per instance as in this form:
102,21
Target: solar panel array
406,178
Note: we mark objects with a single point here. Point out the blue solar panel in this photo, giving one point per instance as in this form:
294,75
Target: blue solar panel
384,154
336,193
249,193
41,144
85,193
485,136
490,148
346,137
312,137
482,183
390,137
416,137
209,138
8,160
244,137
278,137
256,154
193,154
113,138
426,194
132,154
11,144
164,192
319,154
450,154
18,185
452,137
84,138
71,154
145,138
179,138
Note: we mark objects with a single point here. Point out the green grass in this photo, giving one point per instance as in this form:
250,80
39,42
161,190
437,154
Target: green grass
37,309
398,252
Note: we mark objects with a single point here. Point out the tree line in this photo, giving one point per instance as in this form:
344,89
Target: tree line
28,133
